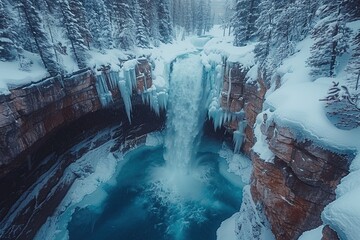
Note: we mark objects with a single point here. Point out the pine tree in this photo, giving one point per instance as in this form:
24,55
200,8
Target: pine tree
142,37
352,8
165,28
7,47
42,44
353,68
124,25
145,8
291,26
99,24
78,10
331,37
229,14
243,22
154,25
78,47
264,25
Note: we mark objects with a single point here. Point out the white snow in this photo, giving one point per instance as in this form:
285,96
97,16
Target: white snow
12,76
261,147
226,231
237,164
314,234
250,222
154,139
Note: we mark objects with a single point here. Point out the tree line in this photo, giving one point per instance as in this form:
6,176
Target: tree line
278,25
51,28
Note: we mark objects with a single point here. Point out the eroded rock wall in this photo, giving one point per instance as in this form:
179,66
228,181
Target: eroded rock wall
295,188
31,112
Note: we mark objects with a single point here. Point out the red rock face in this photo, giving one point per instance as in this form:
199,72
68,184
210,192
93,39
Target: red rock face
254,96
233,87
29,113
295,189
329,234
143,73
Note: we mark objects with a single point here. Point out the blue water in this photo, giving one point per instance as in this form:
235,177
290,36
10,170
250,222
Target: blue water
149,202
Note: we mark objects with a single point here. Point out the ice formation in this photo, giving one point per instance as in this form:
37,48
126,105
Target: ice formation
103,90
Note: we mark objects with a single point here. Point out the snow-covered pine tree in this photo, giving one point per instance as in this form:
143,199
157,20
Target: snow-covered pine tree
165,26
265,28
124,25
42,45
145,8
291,25
78,47
209,17
78,9
154,25
226,19
353,67
331,38
7,47
243,21
99,24
142,37
352,7
188,17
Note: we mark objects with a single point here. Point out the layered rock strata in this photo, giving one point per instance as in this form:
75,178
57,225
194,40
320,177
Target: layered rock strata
48,117
295,188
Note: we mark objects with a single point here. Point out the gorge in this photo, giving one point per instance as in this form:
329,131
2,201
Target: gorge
167,183
138,119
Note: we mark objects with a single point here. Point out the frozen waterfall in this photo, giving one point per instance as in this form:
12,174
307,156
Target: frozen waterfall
186,112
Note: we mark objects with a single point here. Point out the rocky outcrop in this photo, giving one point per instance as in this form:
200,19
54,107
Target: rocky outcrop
295,188
44,117
143,73
329,234
29,113
254,96
233,87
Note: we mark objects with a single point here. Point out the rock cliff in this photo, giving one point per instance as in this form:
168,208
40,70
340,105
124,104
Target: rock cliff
47,118
295,188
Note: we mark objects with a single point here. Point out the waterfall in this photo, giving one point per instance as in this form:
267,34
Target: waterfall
185,112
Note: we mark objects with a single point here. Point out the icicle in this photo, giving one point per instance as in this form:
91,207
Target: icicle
127,76
229,91
126,96
105,95
163,99
114,79
238,136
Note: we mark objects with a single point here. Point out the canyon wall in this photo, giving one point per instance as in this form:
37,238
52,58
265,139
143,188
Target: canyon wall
294,189
40,121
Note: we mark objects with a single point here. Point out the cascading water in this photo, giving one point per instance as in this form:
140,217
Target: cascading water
185,114
178,190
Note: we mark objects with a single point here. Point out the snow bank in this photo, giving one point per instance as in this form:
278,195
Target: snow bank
12,76
250,222
226,231
314,234
238,164
343,215
154,139
223,46
94,169
261,146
